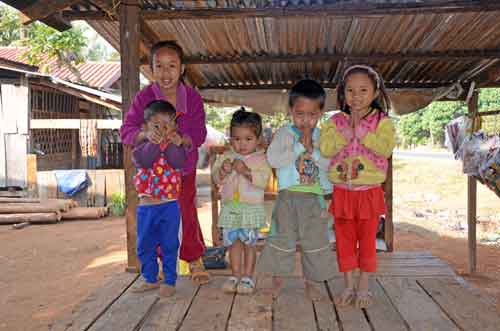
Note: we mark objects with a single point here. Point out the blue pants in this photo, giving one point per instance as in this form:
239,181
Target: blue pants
158,225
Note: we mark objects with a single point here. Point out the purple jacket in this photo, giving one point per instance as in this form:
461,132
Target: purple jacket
145,154
191,123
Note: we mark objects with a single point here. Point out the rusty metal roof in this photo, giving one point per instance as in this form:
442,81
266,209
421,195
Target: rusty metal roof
100,75
272,43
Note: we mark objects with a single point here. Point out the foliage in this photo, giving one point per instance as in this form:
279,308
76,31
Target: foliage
426,126
220,118
10,26
117,204
44,43
276,120
217,117
96,48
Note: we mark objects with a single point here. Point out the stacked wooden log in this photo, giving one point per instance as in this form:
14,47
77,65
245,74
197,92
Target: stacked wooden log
24,210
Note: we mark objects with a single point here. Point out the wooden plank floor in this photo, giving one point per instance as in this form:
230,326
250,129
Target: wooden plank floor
412,291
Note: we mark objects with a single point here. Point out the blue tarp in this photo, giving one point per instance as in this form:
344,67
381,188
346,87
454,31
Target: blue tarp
70,182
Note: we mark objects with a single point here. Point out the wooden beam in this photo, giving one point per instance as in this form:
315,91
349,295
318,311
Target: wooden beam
287,85
4,63
31,176
73,123
472,200
339,9
488,113
452,55
44,8
389,220
86,96
129,54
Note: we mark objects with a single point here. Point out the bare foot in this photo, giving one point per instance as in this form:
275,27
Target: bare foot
166,290
363,299
313,291
346,298
277,285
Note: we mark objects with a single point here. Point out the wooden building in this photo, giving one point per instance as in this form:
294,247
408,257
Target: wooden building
52,119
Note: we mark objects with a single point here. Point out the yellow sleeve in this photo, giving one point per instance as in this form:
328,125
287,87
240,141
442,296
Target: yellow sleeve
383,140
260,174
330,140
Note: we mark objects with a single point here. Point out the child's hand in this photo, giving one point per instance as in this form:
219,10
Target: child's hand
241,168
155,134
227,166
174,138
306,139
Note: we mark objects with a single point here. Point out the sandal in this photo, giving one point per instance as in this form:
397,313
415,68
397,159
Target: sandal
199,275
346,298
143,286
364,299
245,286
230,285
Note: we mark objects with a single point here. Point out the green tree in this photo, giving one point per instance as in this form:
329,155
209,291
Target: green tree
217,117
277,119
43,42
411,130
489,99
437,115
427,125
10,26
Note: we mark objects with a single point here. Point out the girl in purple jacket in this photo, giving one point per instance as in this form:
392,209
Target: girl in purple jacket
167,65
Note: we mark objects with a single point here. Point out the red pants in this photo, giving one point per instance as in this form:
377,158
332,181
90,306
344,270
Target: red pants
192,243
357,215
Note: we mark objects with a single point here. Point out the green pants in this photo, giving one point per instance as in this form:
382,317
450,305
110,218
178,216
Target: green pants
296,220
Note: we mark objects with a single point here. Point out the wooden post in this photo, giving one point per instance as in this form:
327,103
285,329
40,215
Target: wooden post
129,55
472,199
31,176
214,194
389,226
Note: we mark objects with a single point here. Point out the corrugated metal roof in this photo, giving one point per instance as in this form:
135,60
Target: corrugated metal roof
94,74
115,99
439,28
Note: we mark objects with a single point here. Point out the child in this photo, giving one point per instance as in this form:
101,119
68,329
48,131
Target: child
167,66
243,174
297,217
358,140
158,183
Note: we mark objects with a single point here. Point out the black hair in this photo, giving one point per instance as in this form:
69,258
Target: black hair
158,107
307,88
382,103
243,118
170,44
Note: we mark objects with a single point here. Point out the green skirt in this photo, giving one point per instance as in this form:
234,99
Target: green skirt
242,215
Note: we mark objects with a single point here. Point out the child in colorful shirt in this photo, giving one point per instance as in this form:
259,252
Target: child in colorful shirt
243,174
158,183
302,181
358,140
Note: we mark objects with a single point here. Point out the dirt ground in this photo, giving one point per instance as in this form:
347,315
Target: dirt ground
47,270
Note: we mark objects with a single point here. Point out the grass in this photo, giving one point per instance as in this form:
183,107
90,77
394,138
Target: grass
432,193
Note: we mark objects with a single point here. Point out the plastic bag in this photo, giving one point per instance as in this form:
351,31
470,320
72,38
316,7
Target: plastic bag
490,169
473,151
215,258
70,182
456,131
